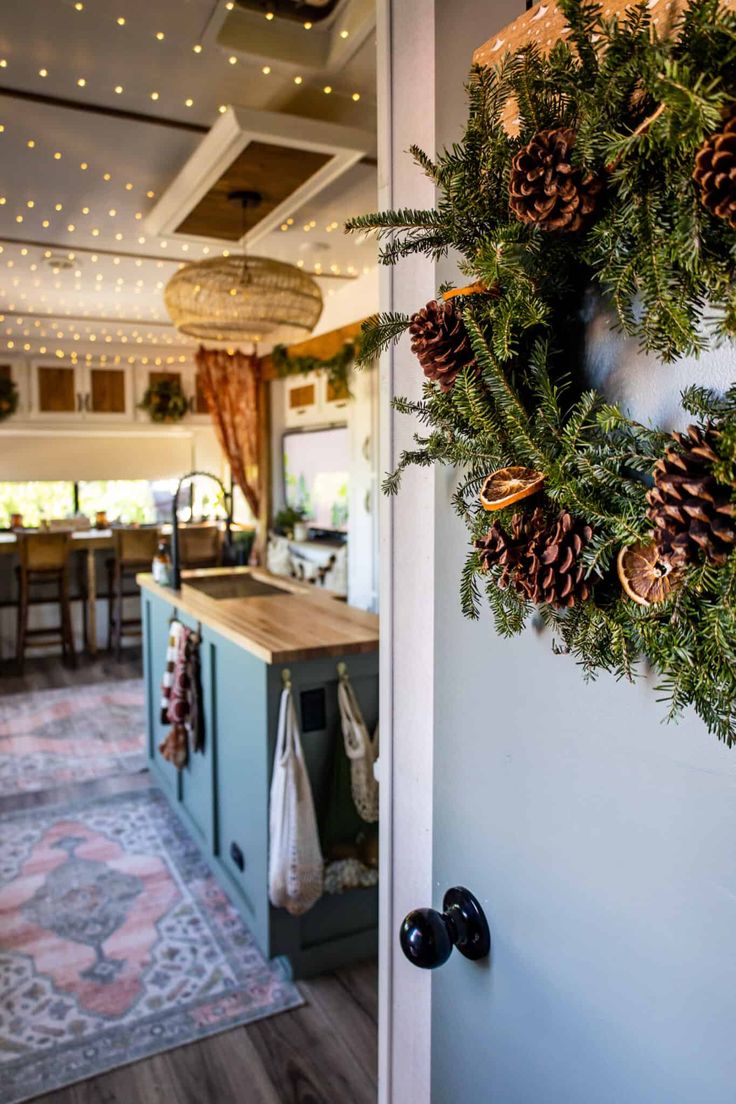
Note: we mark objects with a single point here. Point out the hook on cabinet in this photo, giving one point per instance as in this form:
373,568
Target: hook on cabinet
286,678
342,671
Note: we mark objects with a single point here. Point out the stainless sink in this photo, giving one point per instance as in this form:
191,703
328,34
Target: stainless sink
233,586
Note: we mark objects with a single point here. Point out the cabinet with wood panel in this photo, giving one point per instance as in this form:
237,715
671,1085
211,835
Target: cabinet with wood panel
312,399
63,391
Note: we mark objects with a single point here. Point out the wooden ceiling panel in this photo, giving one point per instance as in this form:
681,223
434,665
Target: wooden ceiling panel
271,170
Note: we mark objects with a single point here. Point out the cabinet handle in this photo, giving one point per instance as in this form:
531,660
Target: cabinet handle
88,402
427,936
190,404
80,401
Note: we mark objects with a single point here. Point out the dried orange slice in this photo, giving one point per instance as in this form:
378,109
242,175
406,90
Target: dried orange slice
645,576
509,485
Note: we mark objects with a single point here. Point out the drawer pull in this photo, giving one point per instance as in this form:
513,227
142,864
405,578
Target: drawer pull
237,856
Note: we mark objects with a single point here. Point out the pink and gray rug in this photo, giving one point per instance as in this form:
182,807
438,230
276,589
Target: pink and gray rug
51,737
116,944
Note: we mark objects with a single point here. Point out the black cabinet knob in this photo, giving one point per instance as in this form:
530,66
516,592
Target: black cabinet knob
427,936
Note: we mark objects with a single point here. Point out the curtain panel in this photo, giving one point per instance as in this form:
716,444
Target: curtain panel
230,384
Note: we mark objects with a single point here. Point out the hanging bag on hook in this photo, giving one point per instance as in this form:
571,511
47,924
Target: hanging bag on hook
295,865
361,750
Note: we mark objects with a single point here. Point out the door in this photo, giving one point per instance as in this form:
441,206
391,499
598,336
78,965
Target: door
598,841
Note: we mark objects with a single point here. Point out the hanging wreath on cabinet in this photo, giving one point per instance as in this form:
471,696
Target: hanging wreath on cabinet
165,401
8,397
621,178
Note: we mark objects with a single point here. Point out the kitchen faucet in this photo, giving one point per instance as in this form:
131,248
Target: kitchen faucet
175,555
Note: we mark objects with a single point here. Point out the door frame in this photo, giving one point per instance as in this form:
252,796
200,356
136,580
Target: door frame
406,604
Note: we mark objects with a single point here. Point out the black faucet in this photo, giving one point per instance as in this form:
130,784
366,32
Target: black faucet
227,499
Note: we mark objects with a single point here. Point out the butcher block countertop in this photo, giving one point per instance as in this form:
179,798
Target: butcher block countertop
298,623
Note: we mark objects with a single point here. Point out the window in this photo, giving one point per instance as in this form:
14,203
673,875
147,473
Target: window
127,500
36,502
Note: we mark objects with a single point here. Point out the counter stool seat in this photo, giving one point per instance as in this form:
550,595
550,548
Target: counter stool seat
43,576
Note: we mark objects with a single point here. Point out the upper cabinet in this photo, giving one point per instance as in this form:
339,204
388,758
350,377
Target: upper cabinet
311,399
80,392
62,391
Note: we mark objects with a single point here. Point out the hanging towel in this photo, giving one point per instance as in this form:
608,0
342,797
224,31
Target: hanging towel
175,630
295,865
184,712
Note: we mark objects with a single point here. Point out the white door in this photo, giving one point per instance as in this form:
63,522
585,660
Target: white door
599,841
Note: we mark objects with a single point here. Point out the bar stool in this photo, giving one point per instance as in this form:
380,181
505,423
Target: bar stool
200,545
43,576
134,552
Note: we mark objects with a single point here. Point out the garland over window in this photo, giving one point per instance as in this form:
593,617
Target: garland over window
621,179
337,367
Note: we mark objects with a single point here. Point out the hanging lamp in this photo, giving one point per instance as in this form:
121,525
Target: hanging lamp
243,298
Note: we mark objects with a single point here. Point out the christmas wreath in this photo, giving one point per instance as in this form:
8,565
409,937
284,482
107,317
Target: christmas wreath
165,401
8,397
620,179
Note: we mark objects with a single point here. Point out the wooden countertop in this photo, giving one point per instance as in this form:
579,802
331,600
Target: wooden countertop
303,623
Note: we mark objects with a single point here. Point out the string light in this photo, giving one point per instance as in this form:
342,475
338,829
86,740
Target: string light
30,143
119,89
269,16
298,80
81,82
43,72
233,60
83,166
160,35
154,95
188,103
356,96
197,49
307,26
327,89
222,109
344,34
120,21
266,70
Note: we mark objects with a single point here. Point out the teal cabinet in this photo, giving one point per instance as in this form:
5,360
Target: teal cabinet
222,795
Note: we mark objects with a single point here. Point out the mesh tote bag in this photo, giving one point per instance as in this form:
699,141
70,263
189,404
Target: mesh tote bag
360,749
295,864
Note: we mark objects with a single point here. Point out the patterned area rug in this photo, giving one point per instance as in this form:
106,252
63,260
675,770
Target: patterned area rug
51,737
117,943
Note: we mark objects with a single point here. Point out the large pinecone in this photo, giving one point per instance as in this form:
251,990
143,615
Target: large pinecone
440,341
540,558
715,172
692,512
547,189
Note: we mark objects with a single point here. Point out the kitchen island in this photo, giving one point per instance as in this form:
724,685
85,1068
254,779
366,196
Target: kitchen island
257,630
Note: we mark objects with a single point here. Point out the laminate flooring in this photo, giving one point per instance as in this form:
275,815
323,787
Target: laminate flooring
322,1053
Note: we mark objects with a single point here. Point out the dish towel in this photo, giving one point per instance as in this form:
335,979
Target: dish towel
184,707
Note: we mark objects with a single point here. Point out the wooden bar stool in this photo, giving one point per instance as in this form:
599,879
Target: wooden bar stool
134,552
200,545
43,576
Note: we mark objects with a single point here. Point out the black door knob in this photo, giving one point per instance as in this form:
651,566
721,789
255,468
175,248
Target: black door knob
427,936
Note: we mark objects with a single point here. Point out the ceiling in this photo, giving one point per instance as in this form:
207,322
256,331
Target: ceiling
102,102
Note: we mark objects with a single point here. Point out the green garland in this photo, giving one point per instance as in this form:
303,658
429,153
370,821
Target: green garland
8,397
337,367
640,107
165,401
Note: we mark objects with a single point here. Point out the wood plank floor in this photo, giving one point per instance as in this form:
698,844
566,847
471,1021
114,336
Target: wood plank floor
322,1053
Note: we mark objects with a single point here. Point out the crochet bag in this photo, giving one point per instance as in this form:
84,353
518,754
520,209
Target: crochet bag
361,750
295,865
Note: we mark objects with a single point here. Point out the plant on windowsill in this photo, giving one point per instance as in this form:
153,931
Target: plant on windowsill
165,402
287,519
8,398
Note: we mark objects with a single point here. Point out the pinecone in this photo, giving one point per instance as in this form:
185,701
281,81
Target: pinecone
504,549
715,172
692,512
440,341
547,189
541,559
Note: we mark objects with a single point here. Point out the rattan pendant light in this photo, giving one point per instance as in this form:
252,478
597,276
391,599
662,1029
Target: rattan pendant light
243,298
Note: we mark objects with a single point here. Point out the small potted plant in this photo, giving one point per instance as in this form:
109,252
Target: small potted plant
291,523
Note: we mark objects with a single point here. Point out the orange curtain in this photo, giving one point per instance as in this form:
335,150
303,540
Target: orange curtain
231,385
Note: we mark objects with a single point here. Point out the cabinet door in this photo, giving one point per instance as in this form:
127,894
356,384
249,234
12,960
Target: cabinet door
302,400
197,777
335,399
58,391
156,617
108,394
